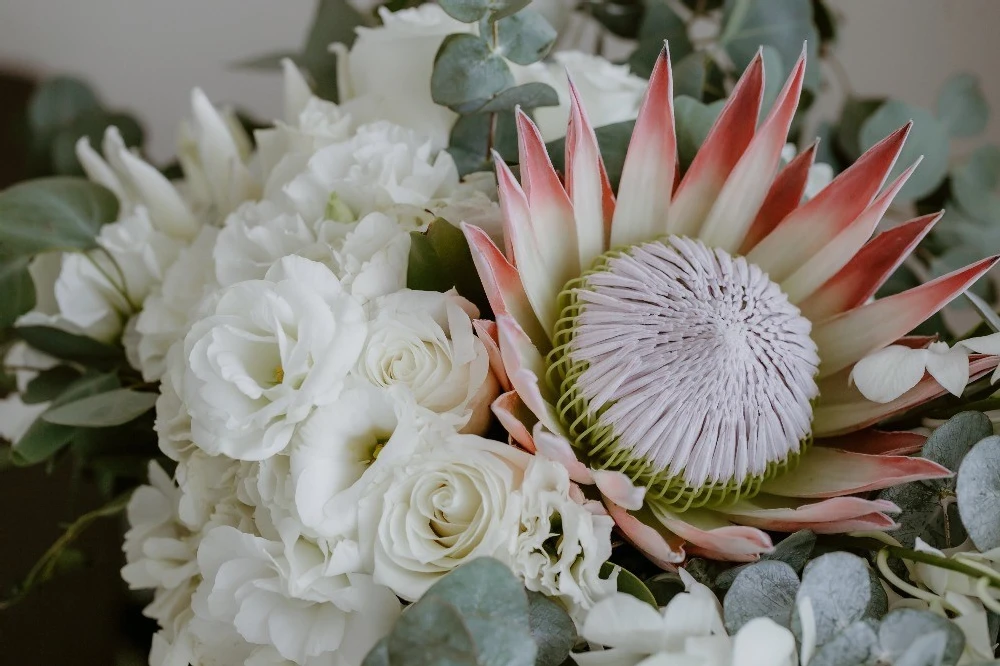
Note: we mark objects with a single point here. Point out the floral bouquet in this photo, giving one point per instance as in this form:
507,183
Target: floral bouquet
508,357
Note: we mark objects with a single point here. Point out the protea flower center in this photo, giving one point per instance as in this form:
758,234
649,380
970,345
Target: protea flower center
686,368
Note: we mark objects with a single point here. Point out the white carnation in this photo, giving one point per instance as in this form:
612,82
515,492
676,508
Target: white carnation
372,258
564,539
269,352
424,341
446,504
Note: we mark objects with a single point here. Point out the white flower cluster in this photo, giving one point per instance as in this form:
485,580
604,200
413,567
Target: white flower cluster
325,421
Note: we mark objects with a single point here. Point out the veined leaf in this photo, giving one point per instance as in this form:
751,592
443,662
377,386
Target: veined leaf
103,410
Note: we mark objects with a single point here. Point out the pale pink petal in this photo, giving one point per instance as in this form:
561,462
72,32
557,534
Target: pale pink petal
877,442
513,416
848,337
872,522
650,164
619,488
858,281
487,332
782,514
826,472
663,549
524,365
811,226
784,196
747,186
557,448
710,530
722,149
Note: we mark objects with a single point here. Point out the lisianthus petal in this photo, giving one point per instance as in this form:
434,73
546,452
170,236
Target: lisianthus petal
708,529
843,409
587,183
878,442
166,207
889,373
987,344
783,514
810,227
663,548
297,92
848,337
650,164
502,283
825,472
763,642
747,186
784,196
623,620
722,149
833,256
509,411
619,489
868,270
950,367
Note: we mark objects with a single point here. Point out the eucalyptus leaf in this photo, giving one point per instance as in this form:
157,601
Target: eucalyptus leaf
660,23
334,22
689,75
523,38
765,589
784,25
42,440
851,647
53,214
974,183
49,384
467,73
17,290
620,17
794,550
431,633
694,120
928,138
69,346
925,512
92,125
379,654
978,491
775,68
57,102
552,628
104,410
962,107
527,95
470,11
901,630
951,441
839,588
854,114
985,311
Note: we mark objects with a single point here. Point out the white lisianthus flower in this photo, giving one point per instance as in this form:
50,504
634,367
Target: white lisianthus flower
689,628
890,372
293,595
269,353
446,504
424,341
609,92
987,344
16,416
564,540
168,312
381,165
387,71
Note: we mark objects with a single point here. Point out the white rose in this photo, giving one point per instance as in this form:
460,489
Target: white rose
564,539
167,313
424,341
380,166
295,596
269,353
387,72
609,92
444,505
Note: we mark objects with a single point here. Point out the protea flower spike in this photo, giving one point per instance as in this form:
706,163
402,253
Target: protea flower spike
686,345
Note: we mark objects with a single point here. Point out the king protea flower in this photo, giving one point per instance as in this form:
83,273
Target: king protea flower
686,346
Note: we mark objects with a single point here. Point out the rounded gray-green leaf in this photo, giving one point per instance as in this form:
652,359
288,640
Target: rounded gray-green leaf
431,633
974,182
552,629
949,443
53,214
978,491
467,73
839,588
853,646
523,38
17,288
58,101
928,138
901,630
783,24
694,120
962,107
765,589
527,96
470,11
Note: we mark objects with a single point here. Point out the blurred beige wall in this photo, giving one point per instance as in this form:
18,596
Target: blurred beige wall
146,55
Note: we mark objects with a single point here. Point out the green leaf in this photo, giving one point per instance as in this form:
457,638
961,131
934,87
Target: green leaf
851,647
902,630
334,22
974,183
784,25
17,290
765,589
524,38
962,107
985,311
775,68
526,95
854,114
53,214
928,138
659,23
839,588
69,346
467,73
470,11
613,141
622,17
951,442
43,439
978,491
694,120
689,75
48,384
794,550
104,410
379,655
552,629
960,256
431,633
628,583
440,259
57,102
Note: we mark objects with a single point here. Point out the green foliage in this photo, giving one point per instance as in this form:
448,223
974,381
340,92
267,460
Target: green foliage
784,25
48,384
839,588
613,141
70,347
794,550
766,589
962,107
104,410
467,73
659,23
53,214
694,119
928,138
470,11
440,260
17,291
908,636
978,492
629,583
523,38
477,615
